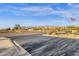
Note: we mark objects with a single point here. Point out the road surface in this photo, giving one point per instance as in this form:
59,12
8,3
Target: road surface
38,45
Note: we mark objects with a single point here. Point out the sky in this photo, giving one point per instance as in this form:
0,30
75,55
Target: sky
39,14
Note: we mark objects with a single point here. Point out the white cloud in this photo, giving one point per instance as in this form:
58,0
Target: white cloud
74,5
36,11
30,10
41,11
36,8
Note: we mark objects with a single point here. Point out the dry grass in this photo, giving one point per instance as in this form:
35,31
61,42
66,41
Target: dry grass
64,36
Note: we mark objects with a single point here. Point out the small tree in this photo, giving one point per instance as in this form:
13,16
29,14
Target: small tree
8,29
17,26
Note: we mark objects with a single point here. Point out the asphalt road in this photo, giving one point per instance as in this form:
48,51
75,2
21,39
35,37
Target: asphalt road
38,45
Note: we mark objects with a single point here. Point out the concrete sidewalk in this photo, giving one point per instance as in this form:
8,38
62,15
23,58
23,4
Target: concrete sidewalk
11,48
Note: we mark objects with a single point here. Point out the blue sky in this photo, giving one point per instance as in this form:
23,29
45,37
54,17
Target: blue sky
39,14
